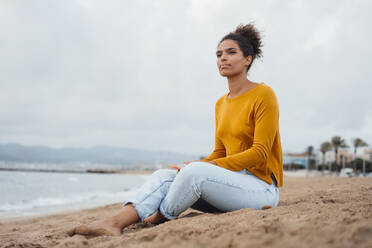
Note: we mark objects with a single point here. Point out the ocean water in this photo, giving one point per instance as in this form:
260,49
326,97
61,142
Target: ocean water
36,193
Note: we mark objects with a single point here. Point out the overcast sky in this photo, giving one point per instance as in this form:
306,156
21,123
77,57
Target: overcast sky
143,74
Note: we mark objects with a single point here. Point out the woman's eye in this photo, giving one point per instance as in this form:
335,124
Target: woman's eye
218,55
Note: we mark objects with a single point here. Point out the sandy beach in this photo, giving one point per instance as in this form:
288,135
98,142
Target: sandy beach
313,211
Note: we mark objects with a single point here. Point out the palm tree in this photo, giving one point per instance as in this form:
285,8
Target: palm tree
338,142
357,143
309,153
324,148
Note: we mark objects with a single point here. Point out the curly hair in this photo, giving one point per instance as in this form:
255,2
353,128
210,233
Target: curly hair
248,39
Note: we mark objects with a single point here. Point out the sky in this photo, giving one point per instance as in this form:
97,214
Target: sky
143,74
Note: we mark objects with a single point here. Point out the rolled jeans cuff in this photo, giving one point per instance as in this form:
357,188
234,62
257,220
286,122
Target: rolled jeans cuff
169,217
140,213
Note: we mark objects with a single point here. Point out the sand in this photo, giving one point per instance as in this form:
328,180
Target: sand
313,212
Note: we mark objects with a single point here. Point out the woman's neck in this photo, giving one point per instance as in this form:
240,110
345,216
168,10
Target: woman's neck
239,84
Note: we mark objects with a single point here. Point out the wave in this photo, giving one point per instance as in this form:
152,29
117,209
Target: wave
91,198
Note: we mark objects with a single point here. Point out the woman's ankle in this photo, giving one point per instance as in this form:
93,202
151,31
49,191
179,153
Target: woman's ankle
156,218
127,216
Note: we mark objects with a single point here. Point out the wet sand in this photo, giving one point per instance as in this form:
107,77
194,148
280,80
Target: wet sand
313,211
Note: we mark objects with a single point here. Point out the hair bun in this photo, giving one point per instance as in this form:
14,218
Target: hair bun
249,32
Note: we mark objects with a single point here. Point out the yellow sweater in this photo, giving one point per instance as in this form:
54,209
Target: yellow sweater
247,134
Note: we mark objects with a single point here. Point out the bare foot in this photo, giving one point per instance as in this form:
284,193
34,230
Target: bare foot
95,230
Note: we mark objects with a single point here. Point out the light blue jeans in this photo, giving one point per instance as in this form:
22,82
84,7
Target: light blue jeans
172,192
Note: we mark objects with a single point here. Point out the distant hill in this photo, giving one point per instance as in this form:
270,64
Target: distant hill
96,154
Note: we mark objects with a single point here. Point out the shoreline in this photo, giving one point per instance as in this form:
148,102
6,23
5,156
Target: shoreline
37,193
97,171
316,211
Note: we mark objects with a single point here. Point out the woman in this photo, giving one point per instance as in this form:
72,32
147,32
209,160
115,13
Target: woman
245,168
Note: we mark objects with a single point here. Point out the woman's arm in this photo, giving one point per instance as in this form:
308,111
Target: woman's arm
219,149
218,152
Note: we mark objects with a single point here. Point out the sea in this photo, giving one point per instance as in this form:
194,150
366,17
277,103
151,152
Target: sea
38,193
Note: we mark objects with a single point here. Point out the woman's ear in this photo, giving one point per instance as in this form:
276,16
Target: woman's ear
248,60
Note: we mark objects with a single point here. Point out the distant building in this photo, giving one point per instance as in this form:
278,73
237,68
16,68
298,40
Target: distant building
295,158
330,156
344,153
348,155
367,154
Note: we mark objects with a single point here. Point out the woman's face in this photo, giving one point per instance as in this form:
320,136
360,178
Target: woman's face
230,59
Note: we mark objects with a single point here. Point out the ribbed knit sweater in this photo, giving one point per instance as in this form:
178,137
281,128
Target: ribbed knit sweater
247,134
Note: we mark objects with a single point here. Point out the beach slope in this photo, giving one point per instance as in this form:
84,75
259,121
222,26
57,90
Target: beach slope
313,212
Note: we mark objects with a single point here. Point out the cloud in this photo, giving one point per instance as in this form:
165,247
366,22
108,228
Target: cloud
143,74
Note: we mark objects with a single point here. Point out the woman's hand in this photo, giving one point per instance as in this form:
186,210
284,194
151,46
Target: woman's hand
188,162
179,167
211,162
174,166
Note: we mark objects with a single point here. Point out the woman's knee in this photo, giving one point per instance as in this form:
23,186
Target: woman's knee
195,169
164,174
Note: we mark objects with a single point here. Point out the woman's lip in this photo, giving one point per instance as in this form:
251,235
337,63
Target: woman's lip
224,66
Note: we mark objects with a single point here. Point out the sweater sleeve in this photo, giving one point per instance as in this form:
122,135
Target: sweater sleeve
219,149
218,152
266,128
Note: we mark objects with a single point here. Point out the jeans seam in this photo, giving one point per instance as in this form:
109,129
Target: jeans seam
237,186
180,201
224,183
263,191
148,195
